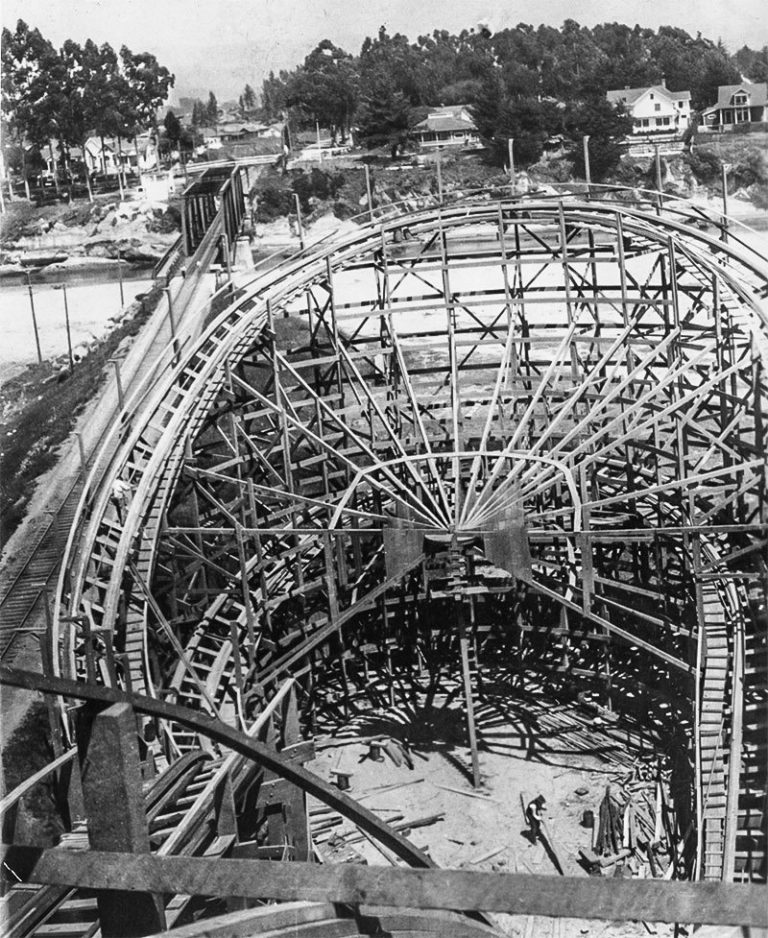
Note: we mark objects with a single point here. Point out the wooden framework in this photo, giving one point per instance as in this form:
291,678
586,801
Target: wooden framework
138,891
548,415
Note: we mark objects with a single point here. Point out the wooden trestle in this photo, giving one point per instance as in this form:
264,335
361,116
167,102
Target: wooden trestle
571,393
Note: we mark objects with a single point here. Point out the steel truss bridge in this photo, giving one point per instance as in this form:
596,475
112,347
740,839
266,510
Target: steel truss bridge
530,432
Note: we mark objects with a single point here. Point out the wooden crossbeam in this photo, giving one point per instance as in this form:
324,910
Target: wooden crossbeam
701,903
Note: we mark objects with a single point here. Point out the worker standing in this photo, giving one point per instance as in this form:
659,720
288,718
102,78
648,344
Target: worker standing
535,815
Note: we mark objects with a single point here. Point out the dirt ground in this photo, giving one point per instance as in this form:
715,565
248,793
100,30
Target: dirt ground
482,829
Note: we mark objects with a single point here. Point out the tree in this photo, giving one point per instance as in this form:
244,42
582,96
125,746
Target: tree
32,73
78,116
173,129
606,127
249,98
385,116
148,84
326,87
523,118
198,113
212,109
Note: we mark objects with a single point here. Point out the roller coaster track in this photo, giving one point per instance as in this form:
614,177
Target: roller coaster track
370,392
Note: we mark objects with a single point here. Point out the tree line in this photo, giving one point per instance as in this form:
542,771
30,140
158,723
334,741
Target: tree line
71,93
521,82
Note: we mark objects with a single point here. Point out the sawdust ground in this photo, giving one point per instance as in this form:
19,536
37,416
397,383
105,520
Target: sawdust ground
487,830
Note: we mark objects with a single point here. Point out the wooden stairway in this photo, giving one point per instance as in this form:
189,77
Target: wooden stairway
713,722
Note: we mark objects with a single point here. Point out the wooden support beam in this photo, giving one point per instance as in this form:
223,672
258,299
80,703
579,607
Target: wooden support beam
468,690
112,790
516,894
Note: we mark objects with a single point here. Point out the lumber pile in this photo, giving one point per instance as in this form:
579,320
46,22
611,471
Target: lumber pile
636,832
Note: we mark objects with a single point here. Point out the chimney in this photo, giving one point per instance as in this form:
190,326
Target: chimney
663,81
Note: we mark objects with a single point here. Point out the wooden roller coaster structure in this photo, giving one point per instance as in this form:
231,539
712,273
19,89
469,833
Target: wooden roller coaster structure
526,434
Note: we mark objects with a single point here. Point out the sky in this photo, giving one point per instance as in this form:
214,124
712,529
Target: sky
222,44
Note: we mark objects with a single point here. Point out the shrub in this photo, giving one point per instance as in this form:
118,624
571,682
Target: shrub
705,164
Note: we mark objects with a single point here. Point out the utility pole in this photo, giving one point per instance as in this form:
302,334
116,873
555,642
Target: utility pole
298,220
34,317
724,177
587,168
369,191
63,288
120,278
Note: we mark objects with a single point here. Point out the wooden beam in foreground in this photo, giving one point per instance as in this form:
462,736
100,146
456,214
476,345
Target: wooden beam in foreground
594,898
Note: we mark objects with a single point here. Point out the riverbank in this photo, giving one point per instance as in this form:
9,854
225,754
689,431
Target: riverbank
85,236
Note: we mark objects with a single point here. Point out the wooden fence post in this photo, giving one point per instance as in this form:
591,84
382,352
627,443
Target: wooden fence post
117,822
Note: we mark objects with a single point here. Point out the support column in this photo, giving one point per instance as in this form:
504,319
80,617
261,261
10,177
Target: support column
464,643
117,821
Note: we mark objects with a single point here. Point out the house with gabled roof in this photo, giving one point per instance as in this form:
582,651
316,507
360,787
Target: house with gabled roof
655,109
447,127
737,105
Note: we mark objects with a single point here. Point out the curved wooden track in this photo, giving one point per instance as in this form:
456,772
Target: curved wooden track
558,405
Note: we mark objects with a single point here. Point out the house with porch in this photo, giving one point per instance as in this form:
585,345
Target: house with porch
447,127
655,110
105,155
737,105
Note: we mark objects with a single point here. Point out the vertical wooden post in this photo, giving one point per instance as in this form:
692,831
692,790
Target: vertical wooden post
172,321
112,790
227,259
587,169
724,176
297,205
510,150
659,185
34,319
464,643
369,191
115,362
295,803
439,178
120,278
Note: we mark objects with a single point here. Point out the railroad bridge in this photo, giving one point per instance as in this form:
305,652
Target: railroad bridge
490,439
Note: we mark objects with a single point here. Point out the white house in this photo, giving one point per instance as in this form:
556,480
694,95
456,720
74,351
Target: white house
655,110
737,104
447,127
105,155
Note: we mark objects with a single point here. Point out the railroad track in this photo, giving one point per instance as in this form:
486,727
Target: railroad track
27,593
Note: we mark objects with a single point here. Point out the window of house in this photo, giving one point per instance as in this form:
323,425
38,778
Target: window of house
740,99
646,122
657,107
680,103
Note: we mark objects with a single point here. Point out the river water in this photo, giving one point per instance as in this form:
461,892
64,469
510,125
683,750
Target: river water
92,298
